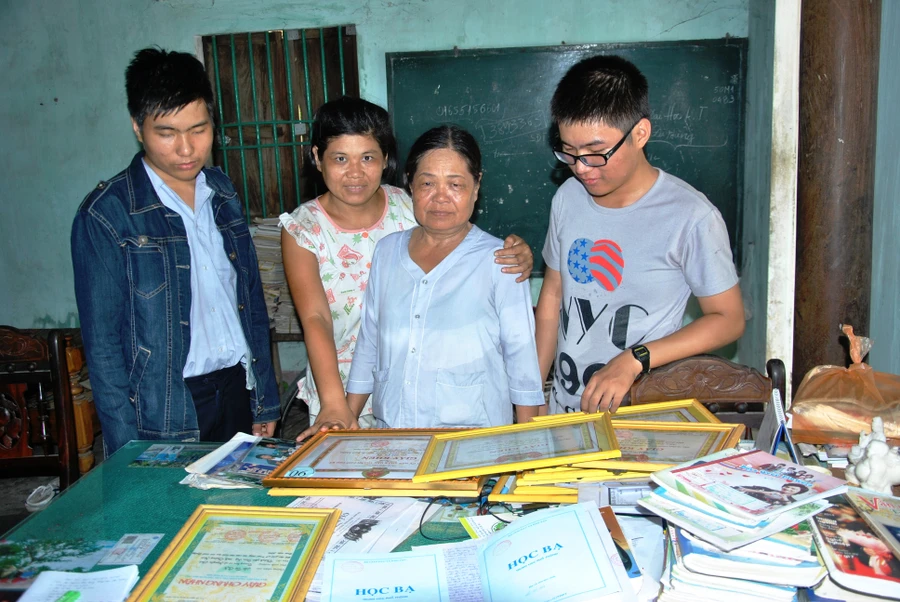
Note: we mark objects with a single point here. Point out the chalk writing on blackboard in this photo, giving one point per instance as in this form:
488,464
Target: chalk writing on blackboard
502,96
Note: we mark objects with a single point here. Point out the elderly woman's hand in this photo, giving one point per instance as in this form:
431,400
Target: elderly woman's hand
517,255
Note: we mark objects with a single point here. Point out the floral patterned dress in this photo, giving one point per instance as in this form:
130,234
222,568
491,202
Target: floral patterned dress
345,257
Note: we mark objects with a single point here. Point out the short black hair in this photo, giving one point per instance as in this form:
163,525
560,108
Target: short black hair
348,116
158,82
602,89
447,136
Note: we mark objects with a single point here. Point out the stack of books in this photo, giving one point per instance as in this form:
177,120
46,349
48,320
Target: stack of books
738,526
267,239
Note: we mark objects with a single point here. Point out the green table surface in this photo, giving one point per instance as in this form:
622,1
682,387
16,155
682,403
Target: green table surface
114,499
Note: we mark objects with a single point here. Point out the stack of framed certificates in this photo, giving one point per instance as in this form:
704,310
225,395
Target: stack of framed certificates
650,437
542,460
429,463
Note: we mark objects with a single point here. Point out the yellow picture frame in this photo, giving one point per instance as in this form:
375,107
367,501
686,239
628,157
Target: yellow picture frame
682,410
571,474
505,491
502,449
273,552
344,462
652,446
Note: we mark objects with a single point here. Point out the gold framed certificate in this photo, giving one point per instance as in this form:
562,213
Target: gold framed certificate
652,446
240,553
502,449
682,410
363,459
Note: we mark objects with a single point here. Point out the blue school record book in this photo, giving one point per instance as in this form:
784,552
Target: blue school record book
706,559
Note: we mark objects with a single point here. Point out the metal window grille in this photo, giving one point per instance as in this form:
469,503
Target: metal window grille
267,87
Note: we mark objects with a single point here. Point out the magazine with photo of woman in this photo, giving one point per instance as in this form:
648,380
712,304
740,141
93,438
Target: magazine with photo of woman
752,486
854,554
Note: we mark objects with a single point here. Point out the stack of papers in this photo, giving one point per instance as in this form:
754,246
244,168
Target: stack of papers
243,462
682,584
267,239
99,586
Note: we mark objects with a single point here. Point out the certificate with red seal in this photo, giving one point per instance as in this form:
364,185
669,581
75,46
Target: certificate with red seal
344,462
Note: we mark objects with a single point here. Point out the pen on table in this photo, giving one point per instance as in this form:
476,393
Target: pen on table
69,596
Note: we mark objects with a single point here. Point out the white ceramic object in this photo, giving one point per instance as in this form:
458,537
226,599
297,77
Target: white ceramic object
874,465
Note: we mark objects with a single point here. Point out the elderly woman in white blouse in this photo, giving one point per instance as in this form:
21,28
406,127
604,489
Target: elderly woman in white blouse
446,340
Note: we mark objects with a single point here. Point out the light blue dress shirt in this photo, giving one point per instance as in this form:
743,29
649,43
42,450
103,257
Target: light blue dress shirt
217,339
450,348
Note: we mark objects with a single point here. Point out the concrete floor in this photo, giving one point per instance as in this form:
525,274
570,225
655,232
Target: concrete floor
14,491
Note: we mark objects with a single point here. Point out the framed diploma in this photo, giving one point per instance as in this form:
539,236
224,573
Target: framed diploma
652,446
683,410
240,553
497,450
364,459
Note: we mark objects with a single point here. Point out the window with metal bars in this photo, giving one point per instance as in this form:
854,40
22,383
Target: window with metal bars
268,86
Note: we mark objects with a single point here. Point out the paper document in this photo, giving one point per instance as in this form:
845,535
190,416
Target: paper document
561,553
132,548
417,576
112,585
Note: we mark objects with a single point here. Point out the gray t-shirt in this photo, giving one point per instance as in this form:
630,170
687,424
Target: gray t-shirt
627,273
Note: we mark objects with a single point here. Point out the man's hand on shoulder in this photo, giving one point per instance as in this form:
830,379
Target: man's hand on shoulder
609,385
517,256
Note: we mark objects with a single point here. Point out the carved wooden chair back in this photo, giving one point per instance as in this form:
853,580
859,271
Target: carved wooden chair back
33,442
734,392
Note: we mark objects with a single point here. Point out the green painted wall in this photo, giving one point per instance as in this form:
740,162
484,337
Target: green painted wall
757,184
62,108
885,307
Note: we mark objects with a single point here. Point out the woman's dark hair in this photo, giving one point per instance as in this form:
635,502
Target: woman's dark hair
348,116
448,136
158,83
803,488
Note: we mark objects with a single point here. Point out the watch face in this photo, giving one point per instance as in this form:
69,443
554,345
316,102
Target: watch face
642,354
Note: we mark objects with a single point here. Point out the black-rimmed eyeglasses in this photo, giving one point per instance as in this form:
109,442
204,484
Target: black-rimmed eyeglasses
595,159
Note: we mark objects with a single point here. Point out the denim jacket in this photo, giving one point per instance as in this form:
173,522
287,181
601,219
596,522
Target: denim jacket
133,288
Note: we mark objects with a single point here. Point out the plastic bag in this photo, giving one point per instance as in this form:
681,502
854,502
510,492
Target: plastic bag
834,404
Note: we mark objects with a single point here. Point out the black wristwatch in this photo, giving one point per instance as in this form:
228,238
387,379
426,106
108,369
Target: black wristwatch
642,354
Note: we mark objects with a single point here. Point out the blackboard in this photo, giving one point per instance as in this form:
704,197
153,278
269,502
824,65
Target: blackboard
503,97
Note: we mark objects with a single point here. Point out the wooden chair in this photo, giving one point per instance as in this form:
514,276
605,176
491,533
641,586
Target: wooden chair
32,368
733,392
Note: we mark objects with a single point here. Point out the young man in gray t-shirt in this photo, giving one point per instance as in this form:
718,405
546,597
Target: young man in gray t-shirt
627,245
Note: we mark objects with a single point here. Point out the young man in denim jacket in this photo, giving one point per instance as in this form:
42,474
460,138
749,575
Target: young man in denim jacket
168,289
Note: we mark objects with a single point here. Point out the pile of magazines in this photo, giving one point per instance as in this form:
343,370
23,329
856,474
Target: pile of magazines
242,462
750,526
